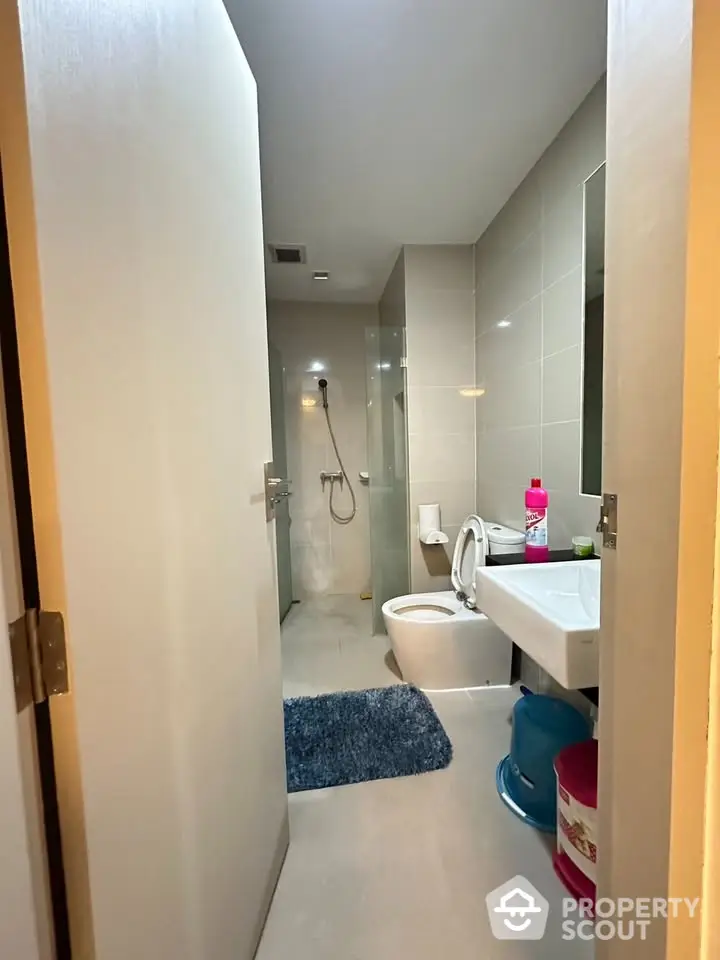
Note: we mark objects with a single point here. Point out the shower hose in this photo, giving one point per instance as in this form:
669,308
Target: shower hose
337,517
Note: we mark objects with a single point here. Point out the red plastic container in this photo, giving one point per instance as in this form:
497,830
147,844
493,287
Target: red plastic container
575,859
536,515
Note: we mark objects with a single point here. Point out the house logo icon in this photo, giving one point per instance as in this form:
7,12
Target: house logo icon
517,911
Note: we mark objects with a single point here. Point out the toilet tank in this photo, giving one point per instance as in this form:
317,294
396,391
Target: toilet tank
502,539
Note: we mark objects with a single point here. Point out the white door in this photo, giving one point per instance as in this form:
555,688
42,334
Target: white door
661,591
131,163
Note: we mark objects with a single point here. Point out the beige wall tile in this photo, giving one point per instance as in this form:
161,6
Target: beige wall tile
440,266
517,279
441,456
561,386
486,315
508,277
521,216
433,410
456,499
509,457
440,333
569,516
430,566
562,313
511,345
439,316
503,504
563,236
485,257
391,308
512,397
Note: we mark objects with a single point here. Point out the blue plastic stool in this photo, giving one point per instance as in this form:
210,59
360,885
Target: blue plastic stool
542,727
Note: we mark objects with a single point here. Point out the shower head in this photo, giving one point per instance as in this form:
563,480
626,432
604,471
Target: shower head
322,387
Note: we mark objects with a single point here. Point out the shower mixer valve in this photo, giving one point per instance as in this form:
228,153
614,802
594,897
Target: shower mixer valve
331,476
335,475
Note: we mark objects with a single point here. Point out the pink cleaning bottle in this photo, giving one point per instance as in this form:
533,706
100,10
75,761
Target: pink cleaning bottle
536,534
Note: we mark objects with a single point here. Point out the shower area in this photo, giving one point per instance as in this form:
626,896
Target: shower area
387,459
337,386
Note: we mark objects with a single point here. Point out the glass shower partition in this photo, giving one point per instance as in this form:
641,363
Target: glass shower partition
280,462
387,465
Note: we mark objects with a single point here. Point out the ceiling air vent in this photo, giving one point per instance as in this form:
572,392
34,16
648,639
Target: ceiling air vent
287,253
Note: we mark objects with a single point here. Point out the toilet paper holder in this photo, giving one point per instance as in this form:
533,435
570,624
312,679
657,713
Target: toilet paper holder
429,527
433,537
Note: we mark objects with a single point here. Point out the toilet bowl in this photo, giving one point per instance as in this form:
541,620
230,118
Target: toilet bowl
441,641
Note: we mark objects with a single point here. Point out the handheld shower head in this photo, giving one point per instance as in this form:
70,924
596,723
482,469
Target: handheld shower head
322,387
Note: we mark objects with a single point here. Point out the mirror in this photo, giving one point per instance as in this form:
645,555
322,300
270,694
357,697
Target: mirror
594,305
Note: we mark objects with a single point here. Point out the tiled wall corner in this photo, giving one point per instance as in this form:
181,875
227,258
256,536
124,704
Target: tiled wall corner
440,330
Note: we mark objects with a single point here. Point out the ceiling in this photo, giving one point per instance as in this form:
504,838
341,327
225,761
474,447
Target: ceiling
384,122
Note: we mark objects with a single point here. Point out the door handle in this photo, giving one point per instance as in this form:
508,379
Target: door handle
273,495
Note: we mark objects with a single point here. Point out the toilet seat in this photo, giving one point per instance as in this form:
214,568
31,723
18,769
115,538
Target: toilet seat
469,554
427,608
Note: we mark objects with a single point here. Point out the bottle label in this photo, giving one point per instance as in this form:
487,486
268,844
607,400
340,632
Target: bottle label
536,534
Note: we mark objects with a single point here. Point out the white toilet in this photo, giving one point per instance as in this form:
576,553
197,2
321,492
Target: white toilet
441,641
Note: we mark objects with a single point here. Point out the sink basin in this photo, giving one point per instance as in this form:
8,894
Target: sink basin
551,611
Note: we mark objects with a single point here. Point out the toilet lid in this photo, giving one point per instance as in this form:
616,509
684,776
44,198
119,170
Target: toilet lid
467,557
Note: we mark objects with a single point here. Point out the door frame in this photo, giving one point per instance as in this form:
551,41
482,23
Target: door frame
660,587
40,724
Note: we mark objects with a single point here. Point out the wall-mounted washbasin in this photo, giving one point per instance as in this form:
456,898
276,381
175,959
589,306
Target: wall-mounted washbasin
551,611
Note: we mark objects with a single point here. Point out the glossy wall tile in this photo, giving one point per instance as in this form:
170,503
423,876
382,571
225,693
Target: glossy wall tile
529,334
440,334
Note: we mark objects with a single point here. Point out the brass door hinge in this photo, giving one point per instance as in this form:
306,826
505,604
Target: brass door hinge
608,525
39,657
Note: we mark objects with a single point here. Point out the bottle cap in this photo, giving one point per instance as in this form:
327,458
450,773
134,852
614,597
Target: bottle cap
536,482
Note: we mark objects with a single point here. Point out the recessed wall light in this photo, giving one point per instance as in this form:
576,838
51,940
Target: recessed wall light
472,392
504,323
321,275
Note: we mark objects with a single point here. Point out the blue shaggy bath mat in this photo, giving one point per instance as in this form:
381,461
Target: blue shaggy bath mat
341,738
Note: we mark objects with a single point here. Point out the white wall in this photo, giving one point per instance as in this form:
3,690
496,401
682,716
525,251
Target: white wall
134,214
529,271
440,331
327,558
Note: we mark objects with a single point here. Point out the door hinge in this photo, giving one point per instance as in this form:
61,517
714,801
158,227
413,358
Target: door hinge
608,524
39,657
403,363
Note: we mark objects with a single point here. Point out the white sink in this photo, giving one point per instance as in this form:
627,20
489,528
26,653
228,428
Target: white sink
551,611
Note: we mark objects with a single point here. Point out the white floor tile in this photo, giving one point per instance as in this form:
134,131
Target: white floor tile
400,868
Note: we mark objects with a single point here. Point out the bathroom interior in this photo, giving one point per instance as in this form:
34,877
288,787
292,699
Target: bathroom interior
409,417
